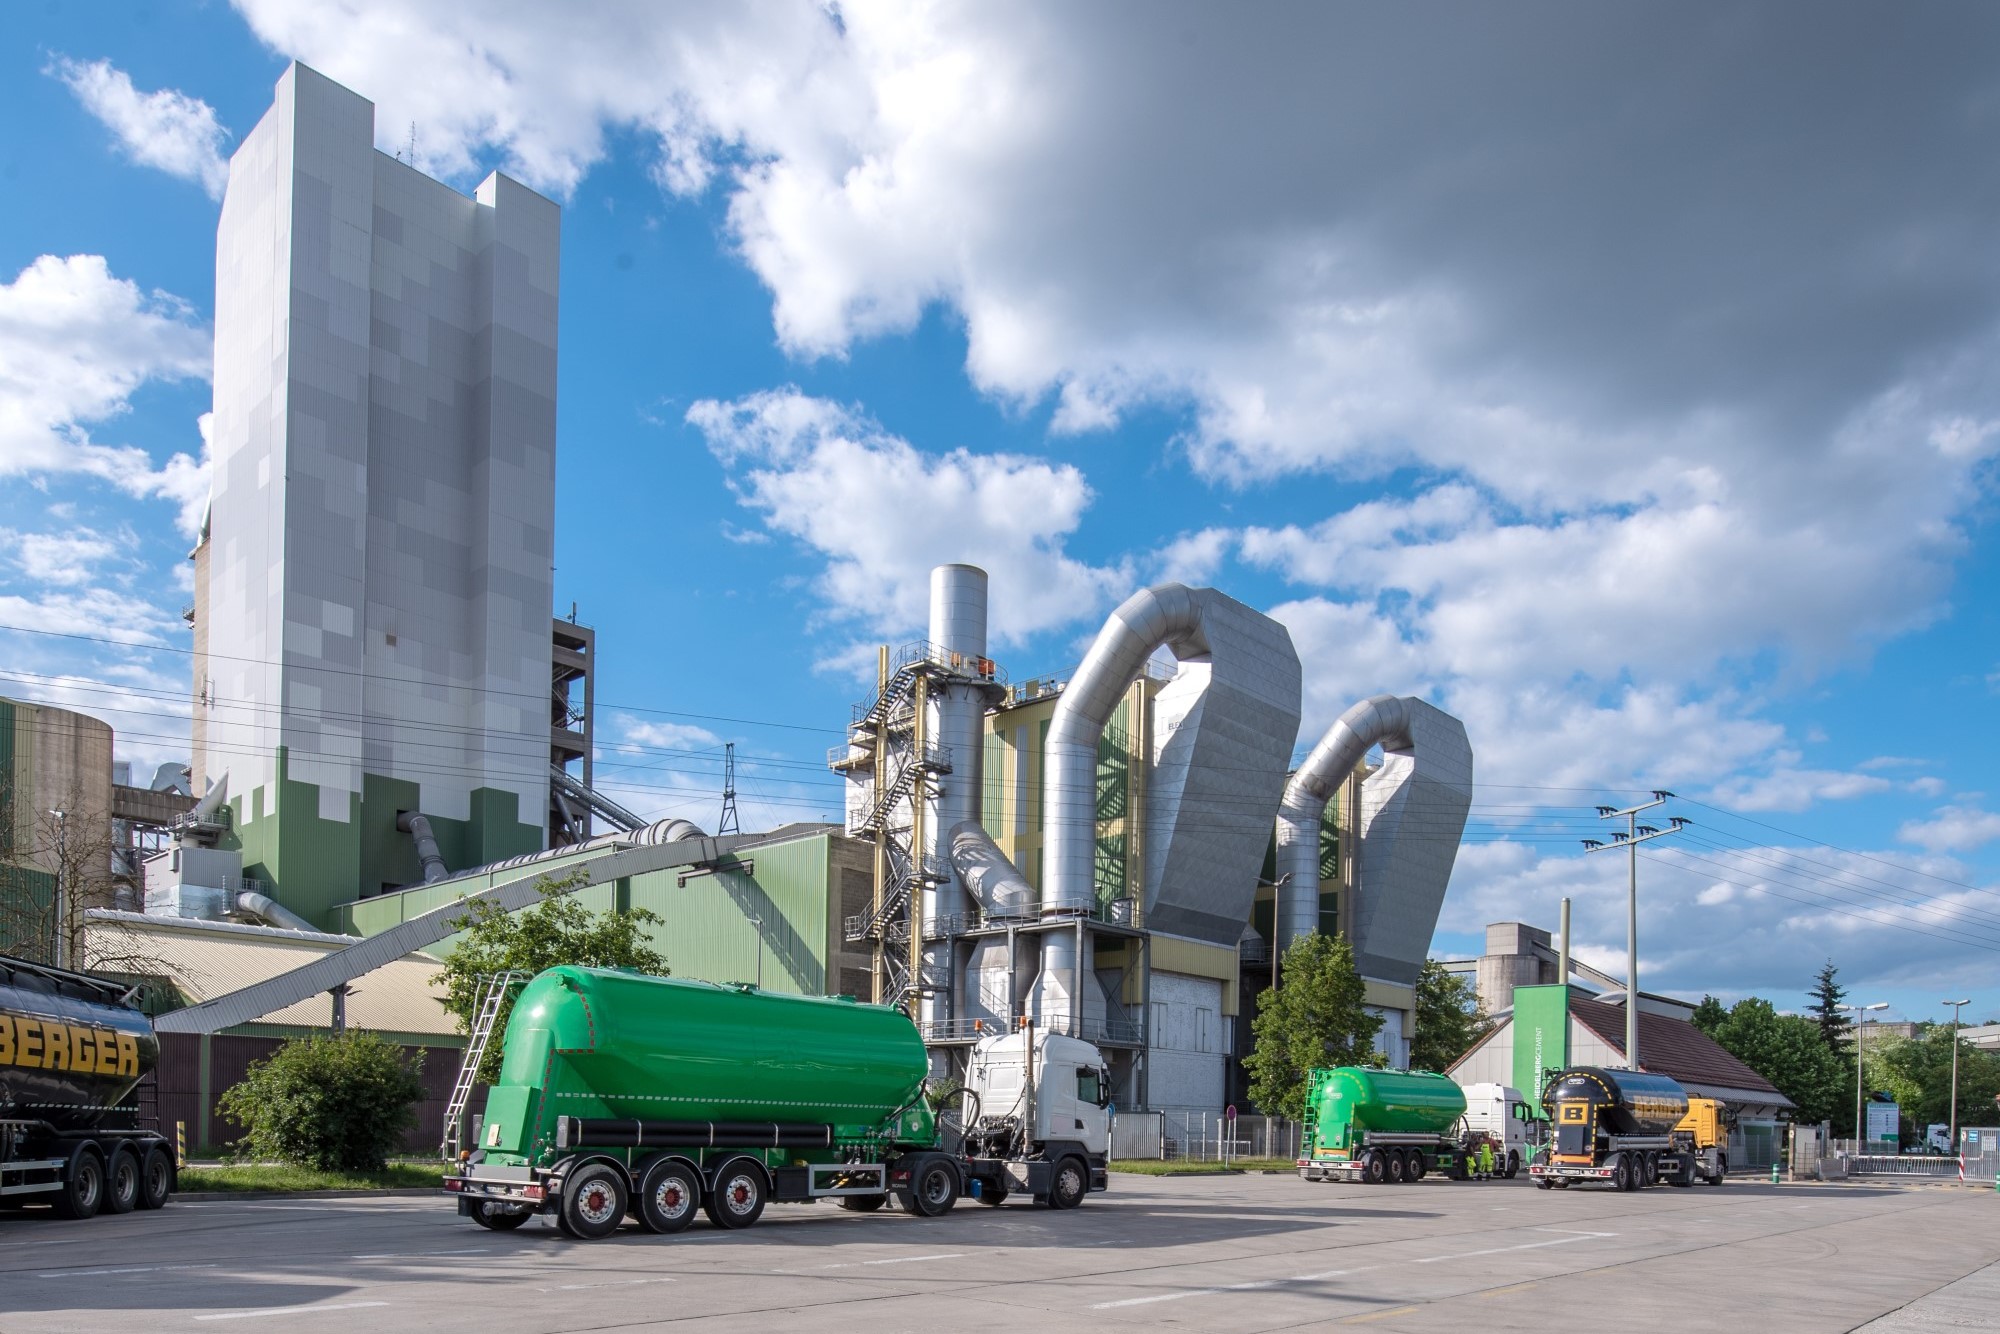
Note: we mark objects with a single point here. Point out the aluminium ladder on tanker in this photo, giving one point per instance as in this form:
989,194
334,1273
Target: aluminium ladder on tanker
486,1006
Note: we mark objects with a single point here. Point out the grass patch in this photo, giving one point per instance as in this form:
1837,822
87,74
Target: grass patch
1152,1167
284,1176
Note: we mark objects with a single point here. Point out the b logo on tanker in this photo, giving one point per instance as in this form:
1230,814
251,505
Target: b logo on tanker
49,1044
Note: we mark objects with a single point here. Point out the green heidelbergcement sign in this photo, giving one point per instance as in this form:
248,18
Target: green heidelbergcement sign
1541,1038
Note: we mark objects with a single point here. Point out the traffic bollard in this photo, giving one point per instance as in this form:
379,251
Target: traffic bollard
1774,1174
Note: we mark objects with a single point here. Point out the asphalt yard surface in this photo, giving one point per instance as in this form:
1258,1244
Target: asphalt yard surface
1211,1253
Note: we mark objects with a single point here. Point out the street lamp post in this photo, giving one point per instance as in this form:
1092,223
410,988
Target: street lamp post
1860,1010
1633,835
1956,1006
61,942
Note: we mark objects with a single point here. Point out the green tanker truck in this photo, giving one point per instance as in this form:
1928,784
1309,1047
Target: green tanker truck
657,1097
1381,1126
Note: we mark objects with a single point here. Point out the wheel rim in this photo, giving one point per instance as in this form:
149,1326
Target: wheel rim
671,1198
157,1177
740,1195
90,1183
125,1180
596,1202
937,1187
1071,1182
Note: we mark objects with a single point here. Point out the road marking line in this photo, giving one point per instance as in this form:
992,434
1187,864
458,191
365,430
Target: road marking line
911,1259
618,1283
1192,1292
1378,1315
1518,1287
1525,1246
137,1269
288,1310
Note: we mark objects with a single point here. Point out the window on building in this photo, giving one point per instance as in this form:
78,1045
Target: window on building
1159,1024
1204,1023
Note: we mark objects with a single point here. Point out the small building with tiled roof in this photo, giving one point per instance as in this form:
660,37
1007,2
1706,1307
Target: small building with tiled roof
1668,1045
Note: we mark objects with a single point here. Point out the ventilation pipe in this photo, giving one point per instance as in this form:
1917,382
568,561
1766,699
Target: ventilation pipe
1000,890
955,708
419,830
1370,723
1218,763
211,801
272,913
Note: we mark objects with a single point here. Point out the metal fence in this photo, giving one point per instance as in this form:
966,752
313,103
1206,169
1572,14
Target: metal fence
1207,1137
1817,1156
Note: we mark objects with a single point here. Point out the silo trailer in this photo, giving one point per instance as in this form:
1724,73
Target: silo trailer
622,1094
71,1053
1381,1126
1627,1129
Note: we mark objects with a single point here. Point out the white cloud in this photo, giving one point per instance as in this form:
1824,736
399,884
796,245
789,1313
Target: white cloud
169,130
75,344
658,769
1786,788
1767,916
63,559
1952,829
882,513
634,734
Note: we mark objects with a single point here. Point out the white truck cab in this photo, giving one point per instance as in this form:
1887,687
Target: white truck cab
1501,1112
1070,1094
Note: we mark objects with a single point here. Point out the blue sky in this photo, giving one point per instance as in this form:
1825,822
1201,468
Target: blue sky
1624,384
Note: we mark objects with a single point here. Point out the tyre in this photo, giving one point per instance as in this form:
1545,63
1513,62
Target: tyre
1541,1184
156,1177
1069,1183
738,1197
498,1217
1374,1171
1621,1173
82,1193
121,1182
669,1194
992,1191
594,1201
862,1204
934,1186
1417,1166
1399,1167
1513,1164
1683,1173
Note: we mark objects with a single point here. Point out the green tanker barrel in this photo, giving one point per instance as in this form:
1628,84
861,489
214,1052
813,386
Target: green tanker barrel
604,1043
1391,1101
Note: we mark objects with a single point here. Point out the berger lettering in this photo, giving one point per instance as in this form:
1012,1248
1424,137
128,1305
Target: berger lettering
48,1044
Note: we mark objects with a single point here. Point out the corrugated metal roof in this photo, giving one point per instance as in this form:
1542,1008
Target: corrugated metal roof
210,959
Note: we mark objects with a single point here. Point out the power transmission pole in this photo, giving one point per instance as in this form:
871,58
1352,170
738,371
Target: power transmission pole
1630,838
728,824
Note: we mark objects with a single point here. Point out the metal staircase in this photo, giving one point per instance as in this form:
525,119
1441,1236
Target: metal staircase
934,760
487,1003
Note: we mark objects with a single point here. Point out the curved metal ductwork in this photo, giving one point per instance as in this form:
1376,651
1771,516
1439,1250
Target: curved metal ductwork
1413,811
1001,891
272,913
211,800
419,830
1223,730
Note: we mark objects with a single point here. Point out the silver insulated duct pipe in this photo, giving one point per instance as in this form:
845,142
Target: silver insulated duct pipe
1425,783
1223,729
419,830
956,721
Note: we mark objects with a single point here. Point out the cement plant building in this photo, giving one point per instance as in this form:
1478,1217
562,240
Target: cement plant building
373,585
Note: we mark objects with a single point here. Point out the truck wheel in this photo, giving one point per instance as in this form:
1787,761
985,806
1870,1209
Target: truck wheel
1415,1171
1683,1173
862,1204
1069,1184
82,1192
121,1181
1621,1172
594,1200
1541,1184
1721,1170
738,1198
933,1186
1399,1167
156,1178
1373,1170
1513,1164
668,1196
992,1191
498,1217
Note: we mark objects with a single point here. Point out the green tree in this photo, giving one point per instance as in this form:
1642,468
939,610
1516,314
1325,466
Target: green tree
1709,1015
1448,1017
1788,1050
335,1103
558,930
1314,1020
1828,997
1916,1072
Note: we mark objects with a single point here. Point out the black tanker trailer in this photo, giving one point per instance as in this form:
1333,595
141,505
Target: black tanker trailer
71,1054
1628,1130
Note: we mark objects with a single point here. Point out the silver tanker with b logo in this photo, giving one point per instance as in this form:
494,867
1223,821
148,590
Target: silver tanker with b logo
72,1051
